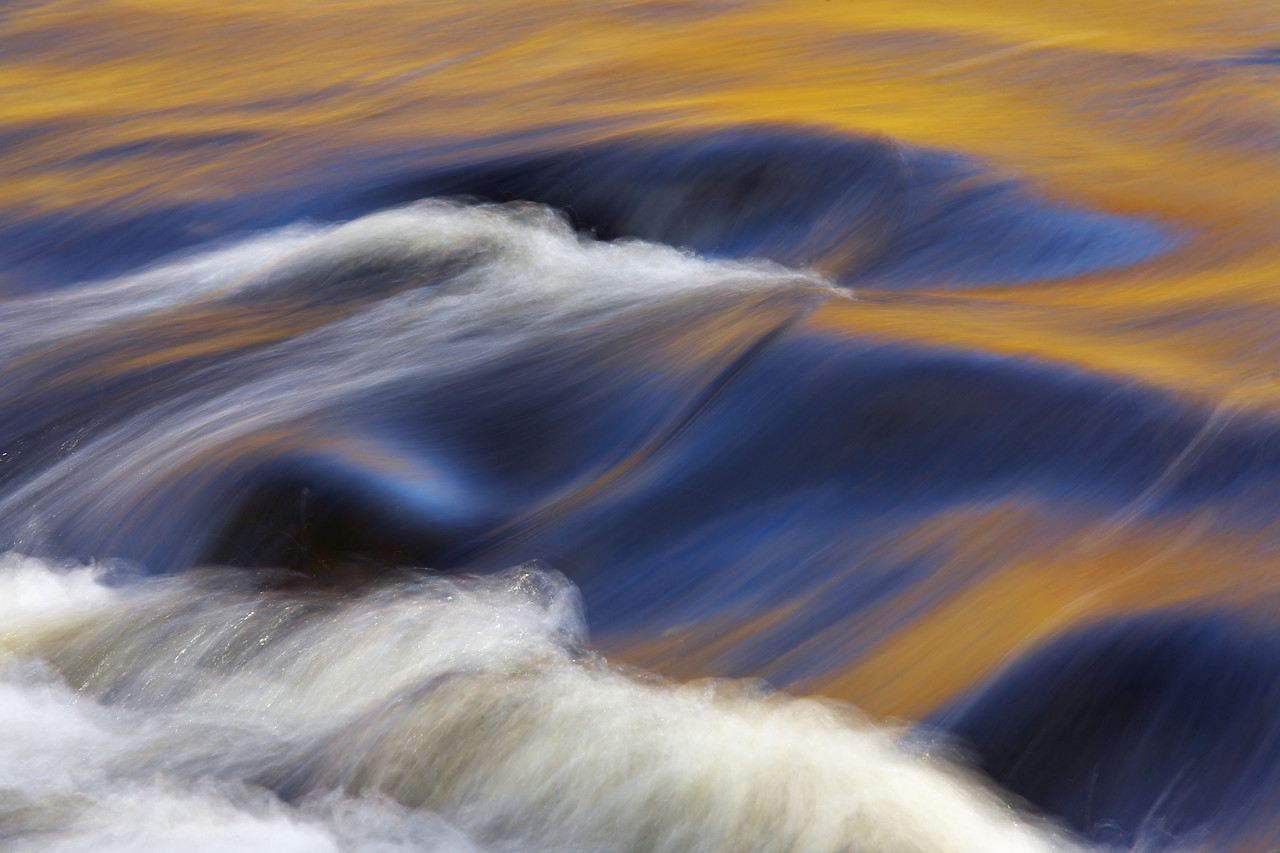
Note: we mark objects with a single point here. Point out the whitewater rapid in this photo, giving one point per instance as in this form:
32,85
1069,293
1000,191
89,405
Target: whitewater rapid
218,711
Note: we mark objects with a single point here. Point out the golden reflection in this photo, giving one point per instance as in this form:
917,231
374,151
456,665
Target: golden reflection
1049,576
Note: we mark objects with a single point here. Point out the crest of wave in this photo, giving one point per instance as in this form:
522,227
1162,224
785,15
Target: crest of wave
194,358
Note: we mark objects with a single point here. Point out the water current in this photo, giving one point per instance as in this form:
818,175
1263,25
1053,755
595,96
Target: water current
639,426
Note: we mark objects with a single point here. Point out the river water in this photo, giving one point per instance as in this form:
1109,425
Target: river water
639,426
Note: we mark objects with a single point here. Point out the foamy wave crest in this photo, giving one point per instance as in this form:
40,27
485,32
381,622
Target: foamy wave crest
215,711
220,356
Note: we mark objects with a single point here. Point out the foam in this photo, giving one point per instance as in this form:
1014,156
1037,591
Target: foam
471,711
35,596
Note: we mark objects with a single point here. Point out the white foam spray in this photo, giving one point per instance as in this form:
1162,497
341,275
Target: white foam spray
216,712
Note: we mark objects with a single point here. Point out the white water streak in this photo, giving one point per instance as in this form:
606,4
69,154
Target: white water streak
427,714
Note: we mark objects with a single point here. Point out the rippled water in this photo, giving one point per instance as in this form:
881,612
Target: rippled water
639,426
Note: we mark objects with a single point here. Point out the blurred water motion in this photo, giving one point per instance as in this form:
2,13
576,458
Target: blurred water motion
444,427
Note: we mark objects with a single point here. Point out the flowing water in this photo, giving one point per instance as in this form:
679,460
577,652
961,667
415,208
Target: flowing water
639,426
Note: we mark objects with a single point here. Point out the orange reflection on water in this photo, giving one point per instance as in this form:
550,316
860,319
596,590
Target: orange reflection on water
1046,576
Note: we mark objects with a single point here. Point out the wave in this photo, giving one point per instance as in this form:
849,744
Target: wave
135,414
424,713
867,211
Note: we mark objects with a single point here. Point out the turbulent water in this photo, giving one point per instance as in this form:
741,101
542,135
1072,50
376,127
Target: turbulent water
639,427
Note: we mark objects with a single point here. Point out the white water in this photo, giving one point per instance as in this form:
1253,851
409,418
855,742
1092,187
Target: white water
211,712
